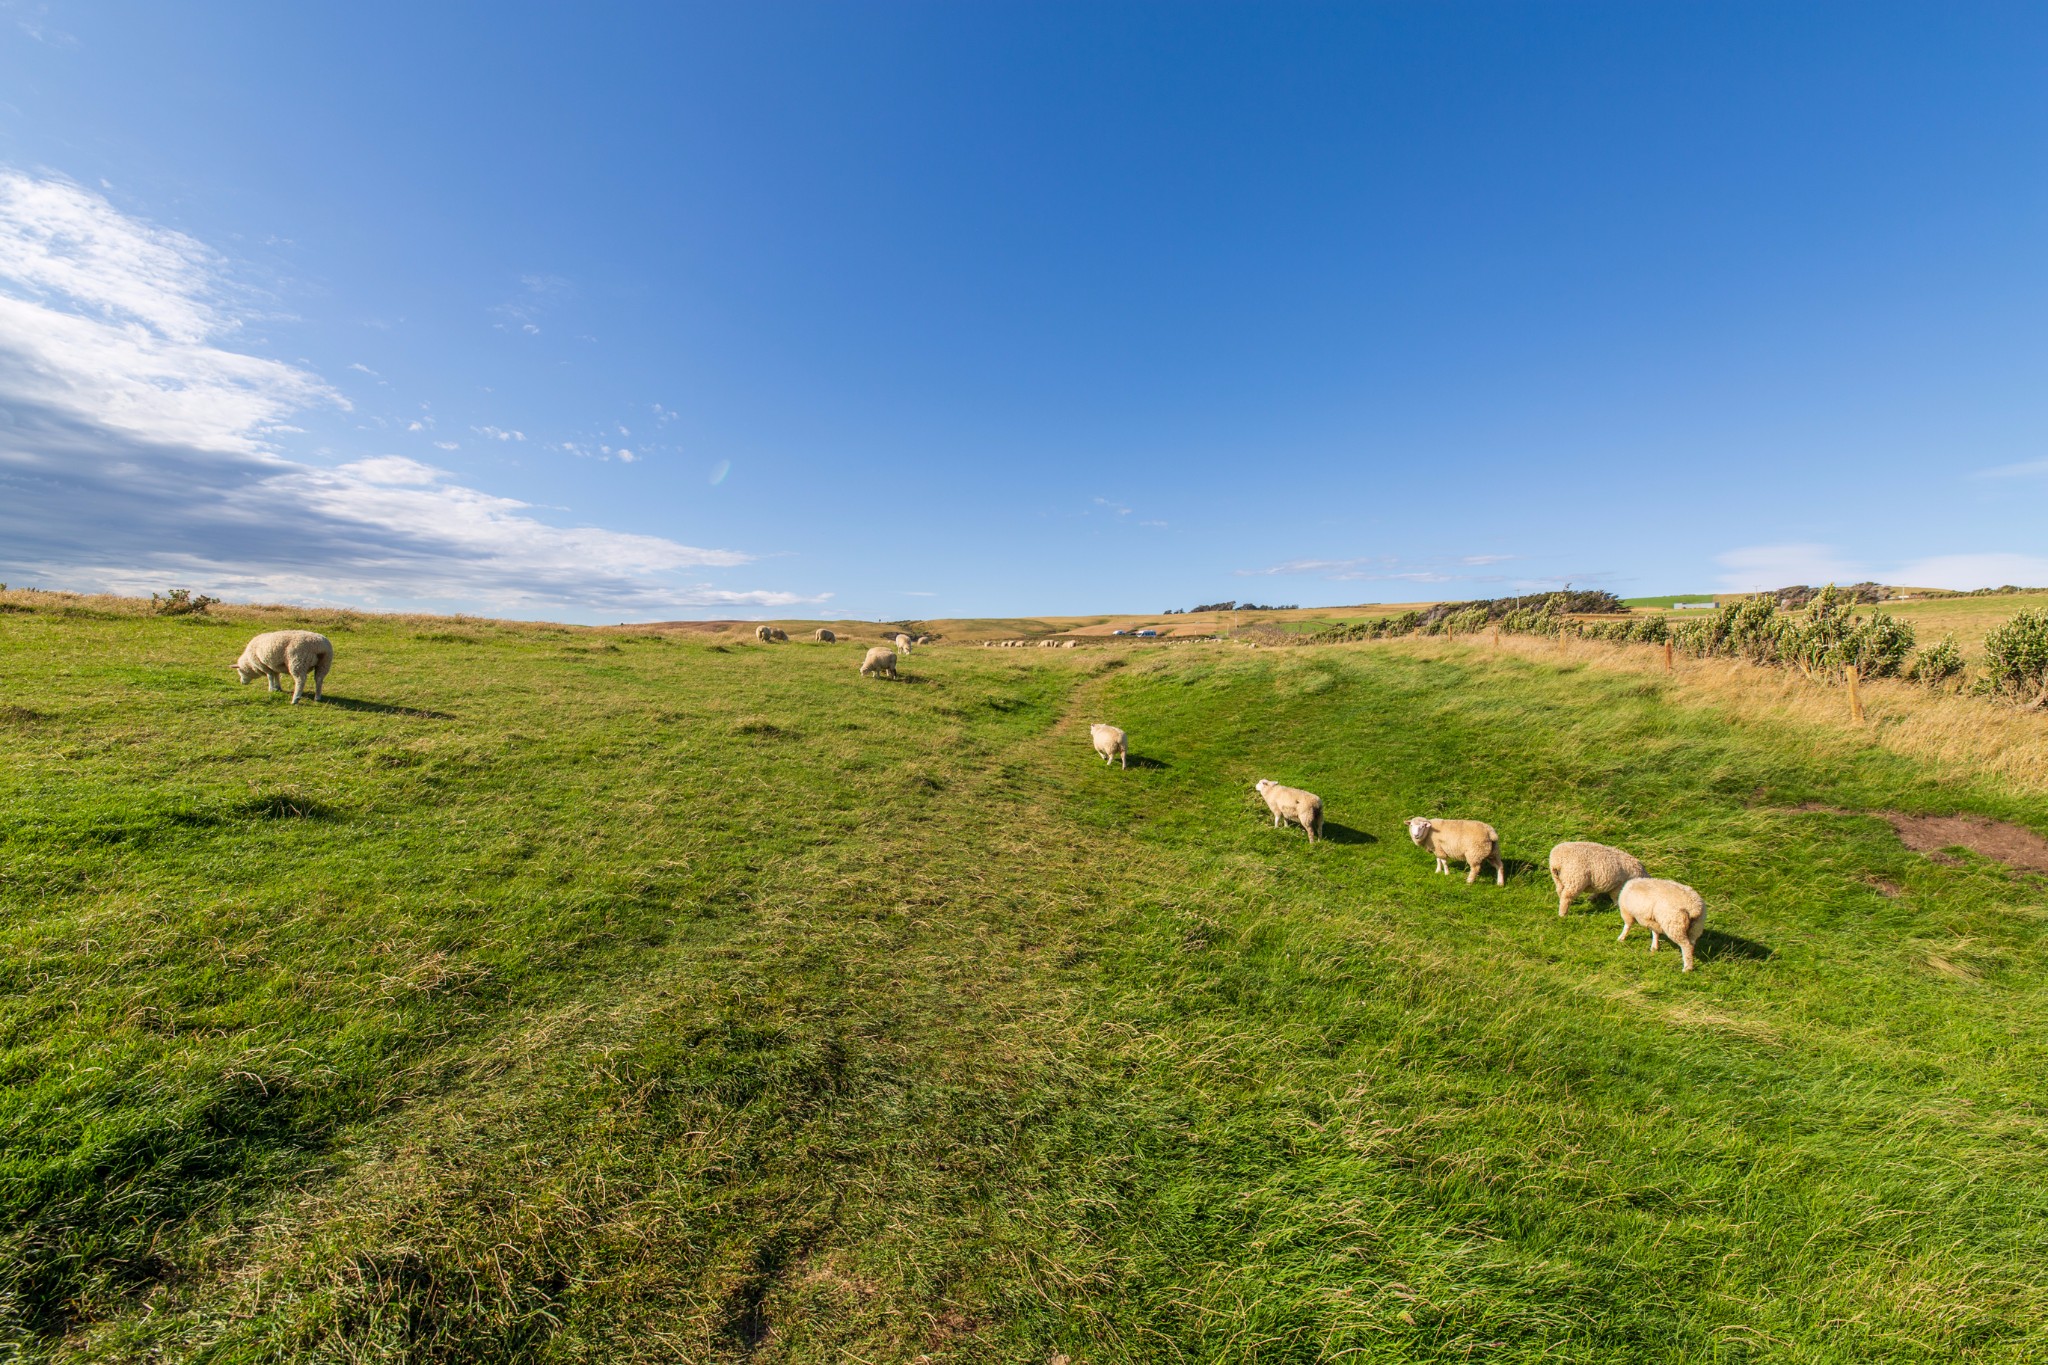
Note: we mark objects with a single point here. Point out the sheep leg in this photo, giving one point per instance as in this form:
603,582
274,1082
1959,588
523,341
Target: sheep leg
1123,758
1500,871
1443,868
1626,924
298,687
320,677
1685,952
1653,938
1472,866
269,681
1309,830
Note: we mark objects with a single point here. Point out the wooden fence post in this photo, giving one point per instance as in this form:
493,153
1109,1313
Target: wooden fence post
1667,656
1855,697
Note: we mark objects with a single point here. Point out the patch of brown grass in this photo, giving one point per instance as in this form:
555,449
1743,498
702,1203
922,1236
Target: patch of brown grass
1966,737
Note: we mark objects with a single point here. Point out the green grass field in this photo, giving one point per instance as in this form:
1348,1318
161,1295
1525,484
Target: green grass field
558,995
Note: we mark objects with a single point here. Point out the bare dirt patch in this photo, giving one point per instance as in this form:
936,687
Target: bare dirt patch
2014,845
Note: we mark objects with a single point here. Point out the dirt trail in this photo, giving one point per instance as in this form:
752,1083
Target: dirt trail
2014,845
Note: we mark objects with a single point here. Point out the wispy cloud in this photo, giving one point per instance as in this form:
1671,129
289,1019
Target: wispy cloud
135,450
34,20
1972,571
1759,568
499,434
1394,569
537,293
2025,469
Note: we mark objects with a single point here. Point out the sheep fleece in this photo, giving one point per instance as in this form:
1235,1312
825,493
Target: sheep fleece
1579,869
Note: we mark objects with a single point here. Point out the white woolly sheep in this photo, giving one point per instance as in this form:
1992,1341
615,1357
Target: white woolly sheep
1670,908
1471,842
763,634
1293,805
1111,744
823,635
1579,869
1068,644
902,643
880,662
287,653
922,640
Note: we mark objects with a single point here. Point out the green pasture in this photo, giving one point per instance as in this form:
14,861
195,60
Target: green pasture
560,995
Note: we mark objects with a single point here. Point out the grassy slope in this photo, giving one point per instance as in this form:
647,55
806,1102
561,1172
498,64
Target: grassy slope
559,995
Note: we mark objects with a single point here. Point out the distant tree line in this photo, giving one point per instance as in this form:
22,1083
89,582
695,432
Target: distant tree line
1230,606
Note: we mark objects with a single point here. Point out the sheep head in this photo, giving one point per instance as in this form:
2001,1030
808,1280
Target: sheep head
1418,829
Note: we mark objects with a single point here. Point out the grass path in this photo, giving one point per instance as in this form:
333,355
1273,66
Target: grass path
572,997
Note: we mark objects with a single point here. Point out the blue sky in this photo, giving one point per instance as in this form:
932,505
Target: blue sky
624,313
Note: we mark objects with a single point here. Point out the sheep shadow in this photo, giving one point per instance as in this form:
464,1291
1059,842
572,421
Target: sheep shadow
1153,764
1334,833
378,708
1714,944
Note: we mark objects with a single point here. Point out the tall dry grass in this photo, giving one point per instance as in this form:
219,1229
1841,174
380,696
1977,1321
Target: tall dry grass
1965,737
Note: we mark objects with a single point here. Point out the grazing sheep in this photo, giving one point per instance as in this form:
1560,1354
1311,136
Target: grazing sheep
1068,644
1293,805
1670,908
1110,743
1578,869
763,634
777,633
879,661
902,643
922,640
280,653
823,635
1472,842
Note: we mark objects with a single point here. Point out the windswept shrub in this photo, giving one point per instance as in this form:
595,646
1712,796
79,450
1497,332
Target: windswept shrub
2016,657
1938,664
180,602
1877,647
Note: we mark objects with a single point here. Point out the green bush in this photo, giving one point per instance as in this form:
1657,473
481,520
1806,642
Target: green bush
1877,647
1938,663
2016,657
180,602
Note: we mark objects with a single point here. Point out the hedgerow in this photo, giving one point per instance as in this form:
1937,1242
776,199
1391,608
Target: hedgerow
1826,640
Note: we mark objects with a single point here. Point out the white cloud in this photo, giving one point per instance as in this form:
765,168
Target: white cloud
447,445
358,365
499,433
1972,571
1759,568
415,426
135,451
662,415
1485,559
627,456
2023,470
